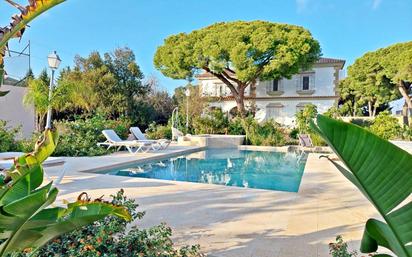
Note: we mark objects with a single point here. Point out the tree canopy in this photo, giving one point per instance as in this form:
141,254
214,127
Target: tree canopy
239,53
381,76
109,85
366,89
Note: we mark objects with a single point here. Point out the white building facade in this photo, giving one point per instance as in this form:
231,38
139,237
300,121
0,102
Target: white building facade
282,99
15,112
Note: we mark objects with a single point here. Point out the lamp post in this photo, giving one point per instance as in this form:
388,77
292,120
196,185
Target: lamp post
187,92
54,61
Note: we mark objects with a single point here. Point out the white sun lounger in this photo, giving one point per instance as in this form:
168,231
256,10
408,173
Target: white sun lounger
133,146
159,144
7,161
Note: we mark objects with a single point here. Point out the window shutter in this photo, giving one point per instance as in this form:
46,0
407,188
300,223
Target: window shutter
297,82
312,82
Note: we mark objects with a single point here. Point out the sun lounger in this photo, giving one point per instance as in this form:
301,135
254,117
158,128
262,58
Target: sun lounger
7,161
305,140
159,144
133,146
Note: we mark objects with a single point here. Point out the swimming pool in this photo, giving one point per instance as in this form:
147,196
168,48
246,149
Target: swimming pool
231,167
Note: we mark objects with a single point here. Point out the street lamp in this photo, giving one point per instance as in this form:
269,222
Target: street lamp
187,92
54,61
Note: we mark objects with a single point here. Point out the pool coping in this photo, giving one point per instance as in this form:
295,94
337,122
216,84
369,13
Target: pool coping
142,159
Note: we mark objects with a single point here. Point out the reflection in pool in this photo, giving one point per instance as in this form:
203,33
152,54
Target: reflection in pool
230,167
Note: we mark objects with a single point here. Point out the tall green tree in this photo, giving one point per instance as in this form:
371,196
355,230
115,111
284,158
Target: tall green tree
38,95
381,76
397,62
239,53
95,86
197,103
122,64
366,88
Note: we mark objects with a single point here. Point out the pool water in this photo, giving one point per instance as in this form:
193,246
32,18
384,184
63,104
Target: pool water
252,169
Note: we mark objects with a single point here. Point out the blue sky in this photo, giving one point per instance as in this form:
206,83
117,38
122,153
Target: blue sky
345,29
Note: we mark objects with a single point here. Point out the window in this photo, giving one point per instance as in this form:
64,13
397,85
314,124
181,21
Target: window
300,107
275,85
274,110
305,83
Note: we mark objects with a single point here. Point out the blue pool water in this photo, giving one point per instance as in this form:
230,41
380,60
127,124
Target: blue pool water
251,169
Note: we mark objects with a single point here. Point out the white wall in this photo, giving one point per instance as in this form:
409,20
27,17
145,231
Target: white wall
14,112
323,83
287,115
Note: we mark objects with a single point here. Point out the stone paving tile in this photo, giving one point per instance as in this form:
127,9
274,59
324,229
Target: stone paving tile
231,221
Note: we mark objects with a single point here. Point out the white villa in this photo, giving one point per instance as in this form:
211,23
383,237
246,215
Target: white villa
281,99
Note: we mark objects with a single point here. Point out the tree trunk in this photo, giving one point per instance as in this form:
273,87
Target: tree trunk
370,108
354,108
404,92
405,114
374,111
240,102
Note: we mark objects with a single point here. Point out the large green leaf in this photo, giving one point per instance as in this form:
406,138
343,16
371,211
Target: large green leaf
383,172
25,219
41,7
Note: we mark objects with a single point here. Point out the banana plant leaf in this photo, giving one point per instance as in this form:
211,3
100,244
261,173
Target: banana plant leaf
383,173
26,222
41,6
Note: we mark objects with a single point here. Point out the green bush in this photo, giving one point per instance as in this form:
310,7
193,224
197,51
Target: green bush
303,119
214,122
80,137
159,131
294,133
386,126
340,249
112,237
268,133
26,145
364,123
236,127
8,140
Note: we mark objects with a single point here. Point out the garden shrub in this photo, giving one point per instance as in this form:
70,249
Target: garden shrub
386,126
294,133
340,249
159,131
303,119
80,137
111,237
268,133
236,127
213,122
8,140
364,123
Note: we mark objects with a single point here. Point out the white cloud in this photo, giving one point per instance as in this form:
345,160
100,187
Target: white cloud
301,5
376,3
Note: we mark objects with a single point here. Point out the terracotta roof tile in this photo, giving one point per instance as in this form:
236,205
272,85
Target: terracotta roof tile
329,60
